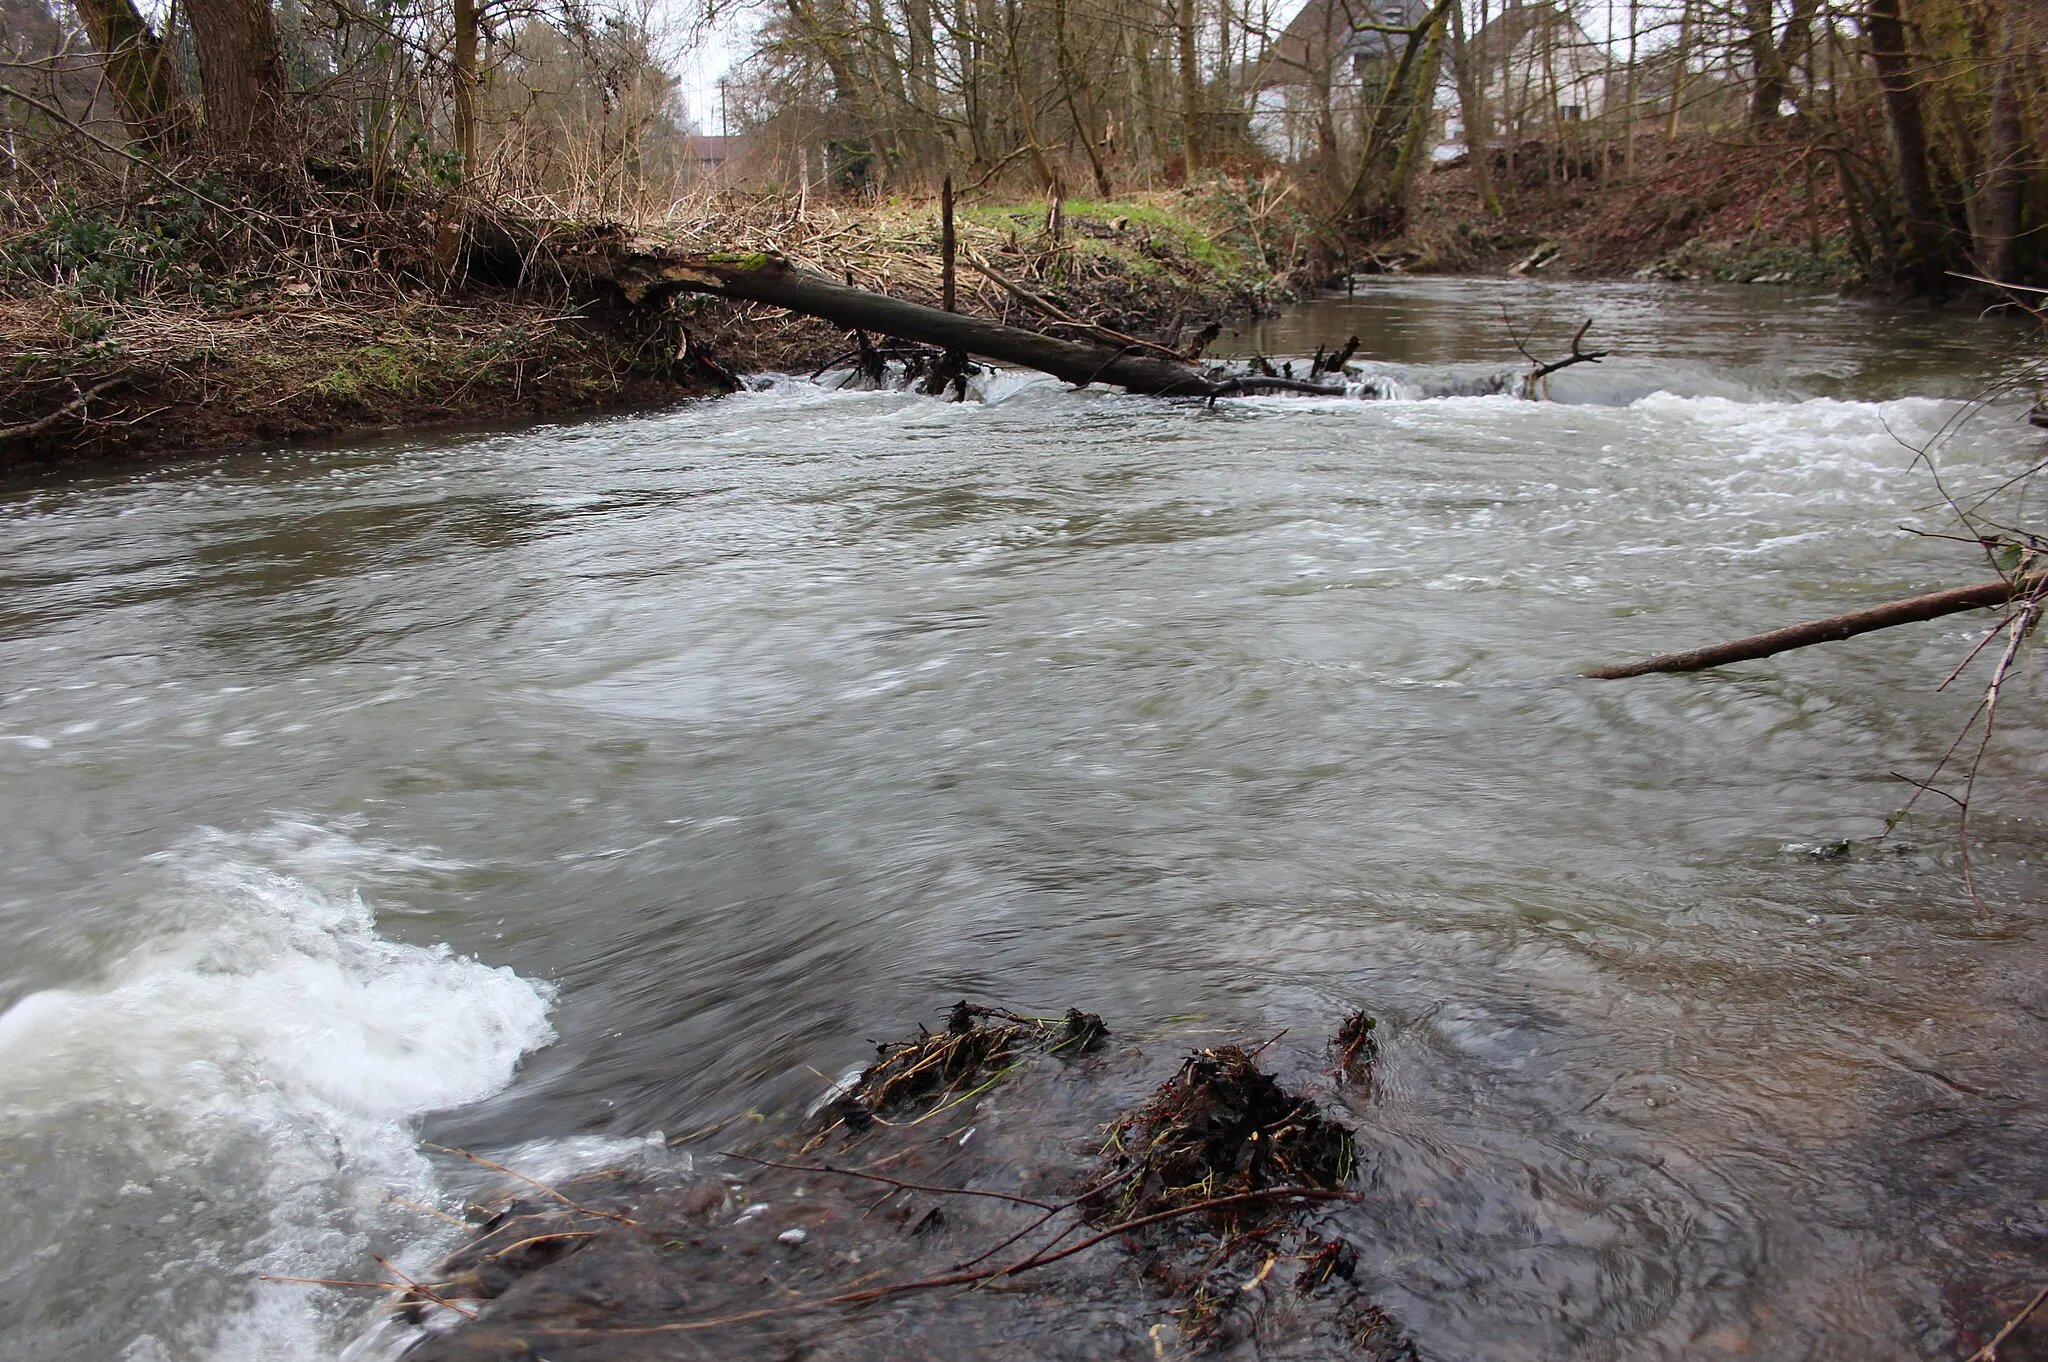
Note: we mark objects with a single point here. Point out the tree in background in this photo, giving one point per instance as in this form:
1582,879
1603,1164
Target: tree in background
1931,115
241,77
139,71
523,97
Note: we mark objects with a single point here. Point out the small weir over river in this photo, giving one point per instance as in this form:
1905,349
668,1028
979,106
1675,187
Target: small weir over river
550,792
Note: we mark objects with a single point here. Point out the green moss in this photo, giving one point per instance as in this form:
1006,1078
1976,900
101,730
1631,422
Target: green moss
385,369
1141,214
370,370
1177,237
1764,261
338,386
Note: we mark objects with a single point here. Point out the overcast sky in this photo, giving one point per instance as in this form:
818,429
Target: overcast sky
702,62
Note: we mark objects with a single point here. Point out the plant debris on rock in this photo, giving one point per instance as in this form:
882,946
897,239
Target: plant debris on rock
939,1207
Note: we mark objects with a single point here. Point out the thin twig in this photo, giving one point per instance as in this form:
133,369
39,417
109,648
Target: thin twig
514,1173
1100,1187
2021,624
148,165
421,1290
1989,1352
1093,330
541,1239
893,1182
1037,1260
414,1205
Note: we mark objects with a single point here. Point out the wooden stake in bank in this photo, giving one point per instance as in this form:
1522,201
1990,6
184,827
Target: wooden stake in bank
948,246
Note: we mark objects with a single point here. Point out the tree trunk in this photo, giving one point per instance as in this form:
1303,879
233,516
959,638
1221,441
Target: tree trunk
1421,121
1766,76
1027,118
2005,180
1678,70
1069,79
1472,112
648,274
1405,98
845,89
462,73
146,84
241,76
1909,141
1797,46
1190,88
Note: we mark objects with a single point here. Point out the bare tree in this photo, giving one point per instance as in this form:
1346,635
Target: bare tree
140,72
241,75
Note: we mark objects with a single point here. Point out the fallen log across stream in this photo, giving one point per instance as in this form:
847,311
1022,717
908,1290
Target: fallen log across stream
647,273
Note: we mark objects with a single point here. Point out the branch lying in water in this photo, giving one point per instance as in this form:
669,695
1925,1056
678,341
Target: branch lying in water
1908,611
1538,371
1041,1258
1989,1352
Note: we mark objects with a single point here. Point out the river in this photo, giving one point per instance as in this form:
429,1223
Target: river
542,791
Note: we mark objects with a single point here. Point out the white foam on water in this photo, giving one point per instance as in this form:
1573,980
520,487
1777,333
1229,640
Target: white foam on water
1908,419
237,1096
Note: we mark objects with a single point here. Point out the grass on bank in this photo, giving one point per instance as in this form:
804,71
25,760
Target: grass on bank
142,321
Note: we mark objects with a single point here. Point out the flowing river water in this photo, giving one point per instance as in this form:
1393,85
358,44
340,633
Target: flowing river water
541,792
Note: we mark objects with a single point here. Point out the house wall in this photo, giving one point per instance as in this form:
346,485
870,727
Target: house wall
1341,37
1554,74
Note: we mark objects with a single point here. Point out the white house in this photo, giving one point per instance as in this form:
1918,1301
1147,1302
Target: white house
1539,70
1321,63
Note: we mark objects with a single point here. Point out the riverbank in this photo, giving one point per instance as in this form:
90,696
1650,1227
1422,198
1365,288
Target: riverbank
1696,208
165,326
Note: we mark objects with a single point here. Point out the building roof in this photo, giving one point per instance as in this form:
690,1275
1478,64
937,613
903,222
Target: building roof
1519,24
1325,32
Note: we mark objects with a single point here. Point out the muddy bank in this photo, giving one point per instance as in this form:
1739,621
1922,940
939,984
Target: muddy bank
1005,1186
160,327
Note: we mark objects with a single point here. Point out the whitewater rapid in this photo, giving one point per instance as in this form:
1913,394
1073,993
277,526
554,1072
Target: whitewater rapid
235,1096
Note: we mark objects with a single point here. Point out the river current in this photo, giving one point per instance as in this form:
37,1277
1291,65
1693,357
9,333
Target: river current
556,793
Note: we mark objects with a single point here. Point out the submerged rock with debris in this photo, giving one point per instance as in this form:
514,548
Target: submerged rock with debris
1005,1186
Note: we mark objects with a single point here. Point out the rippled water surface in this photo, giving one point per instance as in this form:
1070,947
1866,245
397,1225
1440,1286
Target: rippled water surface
541,791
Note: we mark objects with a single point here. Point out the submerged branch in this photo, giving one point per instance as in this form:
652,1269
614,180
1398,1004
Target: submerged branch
1989,1352
1041,1258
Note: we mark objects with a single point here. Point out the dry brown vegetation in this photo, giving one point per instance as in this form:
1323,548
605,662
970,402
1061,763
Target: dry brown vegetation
157,321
